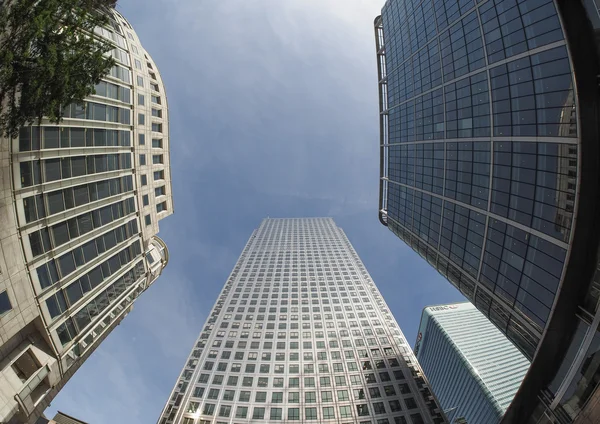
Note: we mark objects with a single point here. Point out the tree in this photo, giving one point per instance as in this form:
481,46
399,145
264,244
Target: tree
49,58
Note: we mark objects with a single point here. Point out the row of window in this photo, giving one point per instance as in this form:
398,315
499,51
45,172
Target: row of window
113,91
324,381
293,414
42,205
309,397
69,296
156,159
308,368
54,137
415,418
73,326
47,170
98,112
56,269
51,237
157,143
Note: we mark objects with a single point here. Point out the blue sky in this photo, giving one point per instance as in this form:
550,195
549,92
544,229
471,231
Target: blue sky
273,112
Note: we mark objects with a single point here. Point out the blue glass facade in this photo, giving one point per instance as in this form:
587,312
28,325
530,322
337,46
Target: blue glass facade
480,149
490,170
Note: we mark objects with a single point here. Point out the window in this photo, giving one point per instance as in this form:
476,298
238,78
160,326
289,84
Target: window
209,409
154,86
159,175
193,407
225,411
157,113
310,397
141,119
241,412
162,191
395,405
410,403
294,414
258,413
157,143
276,413
142,159
345,412
294,397
379,407
145,200
138,64
328,413
141,139
327,396
141,99
140,81
343,395
362,410
310,413
277,397
148,220
157,159
374,392
244,396
144,179
5,305
156,127
155,99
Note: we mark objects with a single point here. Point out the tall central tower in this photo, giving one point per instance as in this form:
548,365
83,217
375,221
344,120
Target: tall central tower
301,333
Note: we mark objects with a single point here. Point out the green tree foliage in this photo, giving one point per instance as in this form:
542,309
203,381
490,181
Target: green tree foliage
49,58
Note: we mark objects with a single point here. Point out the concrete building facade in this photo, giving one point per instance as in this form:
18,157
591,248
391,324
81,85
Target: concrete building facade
300,333
79,209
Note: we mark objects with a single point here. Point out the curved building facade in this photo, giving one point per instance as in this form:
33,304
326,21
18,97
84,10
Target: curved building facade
490,171
79,216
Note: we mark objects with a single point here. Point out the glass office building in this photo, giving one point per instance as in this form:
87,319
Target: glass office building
473,369
300,333
79,216
490,171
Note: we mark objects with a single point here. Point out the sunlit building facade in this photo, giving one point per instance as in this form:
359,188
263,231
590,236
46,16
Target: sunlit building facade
473,369
490,172
300,333
79,216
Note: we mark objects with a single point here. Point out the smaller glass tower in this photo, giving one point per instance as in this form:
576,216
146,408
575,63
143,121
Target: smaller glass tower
473,369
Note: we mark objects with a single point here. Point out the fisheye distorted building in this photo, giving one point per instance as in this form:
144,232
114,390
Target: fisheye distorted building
79,211
490,171
473,369
300,333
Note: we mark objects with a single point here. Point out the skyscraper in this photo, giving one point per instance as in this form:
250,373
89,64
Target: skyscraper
473,369
79,216
300,333
490,171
